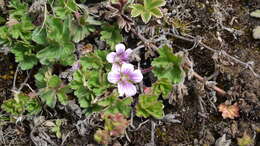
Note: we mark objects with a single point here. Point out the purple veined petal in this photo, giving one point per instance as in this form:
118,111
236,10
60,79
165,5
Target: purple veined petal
126,88
120,48
136,76
127,68
126,54
111,57
116,67
113,77
120,86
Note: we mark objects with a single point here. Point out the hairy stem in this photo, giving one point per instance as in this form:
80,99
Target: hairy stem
194,74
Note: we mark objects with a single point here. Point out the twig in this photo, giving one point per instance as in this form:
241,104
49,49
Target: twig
44,19
138,48
127,137
217,89
15,77
66,137
132,120
30,87
24,82
247,65
196,75
147,69
140,125
152,132
46,137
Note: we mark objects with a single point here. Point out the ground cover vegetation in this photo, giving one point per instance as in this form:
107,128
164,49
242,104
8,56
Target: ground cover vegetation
129,72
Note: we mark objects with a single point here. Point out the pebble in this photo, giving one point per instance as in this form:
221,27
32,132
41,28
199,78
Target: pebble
256,32
255,14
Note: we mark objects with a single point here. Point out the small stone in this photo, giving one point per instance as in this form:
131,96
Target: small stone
255,14
256,32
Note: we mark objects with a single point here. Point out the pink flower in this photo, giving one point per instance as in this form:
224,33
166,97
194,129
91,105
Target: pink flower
124,78
119,57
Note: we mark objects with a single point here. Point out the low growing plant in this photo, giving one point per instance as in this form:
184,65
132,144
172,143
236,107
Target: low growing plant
148,9
51,88
57,128
111,34
90,82
115,126
148,105
168,66
21,104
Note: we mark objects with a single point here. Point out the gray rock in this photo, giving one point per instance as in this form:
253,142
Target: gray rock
256,32
255,14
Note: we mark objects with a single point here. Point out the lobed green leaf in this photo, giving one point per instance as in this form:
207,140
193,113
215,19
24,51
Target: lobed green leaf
148,105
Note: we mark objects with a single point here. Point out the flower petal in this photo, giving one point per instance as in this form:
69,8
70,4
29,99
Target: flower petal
126,88
116,67
111,57
136,76
113,77
120,48
126,54
127,68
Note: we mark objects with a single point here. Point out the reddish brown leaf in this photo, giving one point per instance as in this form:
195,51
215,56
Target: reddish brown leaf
229,111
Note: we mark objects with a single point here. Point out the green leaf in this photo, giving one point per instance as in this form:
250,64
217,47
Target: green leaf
90,20
2,19
60,47
40,78
113,105
71,5
33,107
79,84
137,10
55,31
18,8
49,97
56,52
24,56
148,105
51,88
149,9
28,62
168,65
90,82
96,60
57,128
63,8
146,16
156,12
162,87
39,36
22,29
83,26
150,4
79,32
61,12
111,34
54,82
21,104
62,95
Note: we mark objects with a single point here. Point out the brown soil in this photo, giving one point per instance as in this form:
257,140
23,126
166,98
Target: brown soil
198,126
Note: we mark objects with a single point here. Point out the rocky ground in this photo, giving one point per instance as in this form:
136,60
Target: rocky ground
222,25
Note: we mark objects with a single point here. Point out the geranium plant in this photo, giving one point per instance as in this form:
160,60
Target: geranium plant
123,74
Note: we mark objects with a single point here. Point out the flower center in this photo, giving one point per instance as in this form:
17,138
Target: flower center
117,59
124,77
